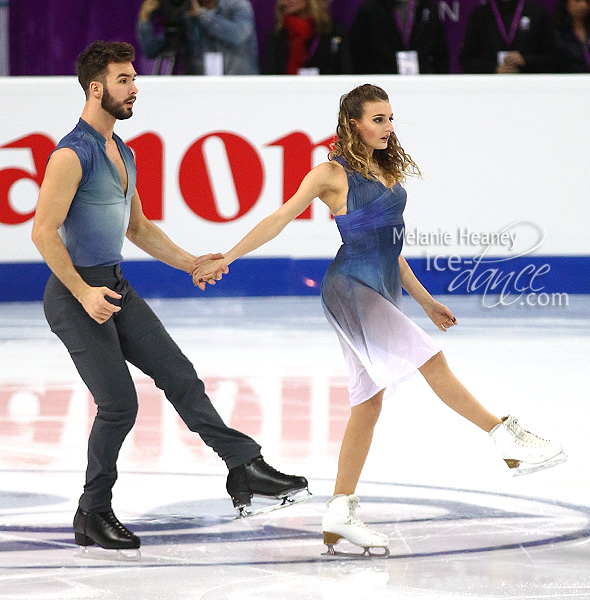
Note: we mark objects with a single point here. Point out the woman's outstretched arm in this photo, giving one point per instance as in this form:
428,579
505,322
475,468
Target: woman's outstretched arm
315,184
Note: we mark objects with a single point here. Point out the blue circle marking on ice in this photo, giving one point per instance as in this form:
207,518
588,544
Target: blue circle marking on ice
433,522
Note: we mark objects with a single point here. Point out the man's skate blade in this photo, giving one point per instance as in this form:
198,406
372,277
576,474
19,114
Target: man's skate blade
300,496
368,553
528,468
98,553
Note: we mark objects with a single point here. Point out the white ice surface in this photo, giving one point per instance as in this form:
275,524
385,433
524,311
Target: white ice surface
460,526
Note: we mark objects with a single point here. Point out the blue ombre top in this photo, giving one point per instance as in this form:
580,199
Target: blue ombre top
372,232
95,226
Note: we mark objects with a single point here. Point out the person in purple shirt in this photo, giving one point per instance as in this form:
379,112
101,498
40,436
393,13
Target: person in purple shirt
88,204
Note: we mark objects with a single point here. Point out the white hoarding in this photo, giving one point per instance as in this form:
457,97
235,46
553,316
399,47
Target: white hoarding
215,155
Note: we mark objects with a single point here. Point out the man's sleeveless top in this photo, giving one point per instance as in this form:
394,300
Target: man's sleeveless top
95,226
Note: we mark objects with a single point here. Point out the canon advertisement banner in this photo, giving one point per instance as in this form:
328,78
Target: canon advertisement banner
502,163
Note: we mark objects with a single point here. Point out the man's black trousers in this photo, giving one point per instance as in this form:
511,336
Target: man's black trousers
101,352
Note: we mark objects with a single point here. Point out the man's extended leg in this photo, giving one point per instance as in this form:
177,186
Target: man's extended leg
148,345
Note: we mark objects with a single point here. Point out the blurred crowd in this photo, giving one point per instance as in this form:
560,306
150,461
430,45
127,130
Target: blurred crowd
216,37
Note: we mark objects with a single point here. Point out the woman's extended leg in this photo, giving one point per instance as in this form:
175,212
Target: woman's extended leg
523,451
453,393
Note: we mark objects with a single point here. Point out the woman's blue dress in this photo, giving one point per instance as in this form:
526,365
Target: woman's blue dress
361,291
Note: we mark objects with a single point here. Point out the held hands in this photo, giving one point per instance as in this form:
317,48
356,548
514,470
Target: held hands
208,268
440,315
96,305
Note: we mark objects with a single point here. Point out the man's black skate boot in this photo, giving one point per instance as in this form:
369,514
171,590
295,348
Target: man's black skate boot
104,529
257,478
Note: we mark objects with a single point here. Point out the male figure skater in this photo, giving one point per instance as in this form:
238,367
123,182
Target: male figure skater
88,203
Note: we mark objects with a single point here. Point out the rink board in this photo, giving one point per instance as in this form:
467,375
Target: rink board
501,160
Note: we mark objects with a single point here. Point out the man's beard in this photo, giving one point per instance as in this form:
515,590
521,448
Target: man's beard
114,108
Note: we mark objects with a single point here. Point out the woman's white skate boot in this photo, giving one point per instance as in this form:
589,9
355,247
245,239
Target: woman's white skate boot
340,521
523,451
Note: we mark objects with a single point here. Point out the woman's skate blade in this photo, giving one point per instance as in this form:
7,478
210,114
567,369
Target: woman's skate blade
367,553
519,468
331,539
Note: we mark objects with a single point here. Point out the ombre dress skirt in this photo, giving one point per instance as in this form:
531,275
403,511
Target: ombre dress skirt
361,293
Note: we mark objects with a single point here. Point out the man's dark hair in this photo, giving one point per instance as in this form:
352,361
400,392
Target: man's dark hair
93,62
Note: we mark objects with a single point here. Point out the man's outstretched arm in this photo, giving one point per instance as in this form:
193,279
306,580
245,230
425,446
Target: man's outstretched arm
151,239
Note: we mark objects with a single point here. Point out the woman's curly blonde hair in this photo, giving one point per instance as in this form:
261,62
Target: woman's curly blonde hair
394,163
318,11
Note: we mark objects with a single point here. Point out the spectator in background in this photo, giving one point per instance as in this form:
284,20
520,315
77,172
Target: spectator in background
572,24
399,36
213,37
306,40
508,36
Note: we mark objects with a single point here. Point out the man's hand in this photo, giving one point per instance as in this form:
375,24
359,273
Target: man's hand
208,269
96,305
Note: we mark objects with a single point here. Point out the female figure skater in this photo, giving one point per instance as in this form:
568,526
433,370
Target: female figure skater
361,292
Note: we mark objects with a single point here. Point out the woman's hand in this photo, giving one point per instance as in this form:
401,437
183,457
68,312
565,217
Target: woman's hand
440,315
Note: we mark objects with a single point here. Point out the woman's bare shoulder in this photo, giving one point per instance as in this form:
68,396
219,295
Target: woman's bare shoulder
331,172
